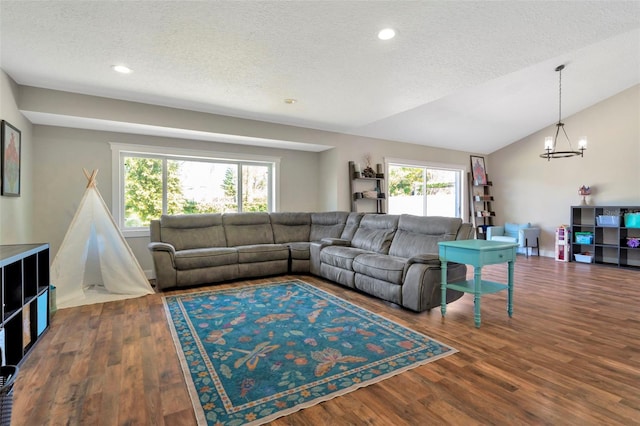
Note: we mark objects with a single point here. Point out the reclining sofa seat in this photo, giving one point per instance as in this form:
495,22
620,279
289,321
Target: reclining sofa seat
395,258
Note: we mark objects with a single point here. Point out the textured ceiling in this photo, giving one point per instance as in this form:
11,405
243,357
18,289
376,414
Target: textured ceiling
472,76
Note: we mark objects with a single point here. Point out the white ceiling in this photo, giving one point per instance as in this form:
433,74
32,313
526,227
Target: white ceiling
471,76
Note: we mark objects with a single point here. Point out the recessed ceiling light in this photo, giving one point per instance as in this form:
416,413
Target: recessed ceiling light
386,34
290,101
122,69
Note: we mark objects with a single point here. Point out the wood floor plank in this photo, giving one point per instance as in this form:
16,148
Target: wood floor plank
569,355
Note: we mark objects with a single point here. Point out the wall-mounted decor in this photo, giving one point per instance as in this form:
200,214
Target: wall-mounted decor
11,145
478,170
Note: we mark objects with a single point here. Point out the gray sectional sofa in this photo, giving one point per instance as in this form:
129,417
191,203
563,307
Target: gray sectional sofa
392,257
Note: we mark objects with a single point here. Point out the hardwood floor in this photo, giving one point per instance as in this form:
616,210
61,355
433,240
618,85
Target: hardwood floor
570,355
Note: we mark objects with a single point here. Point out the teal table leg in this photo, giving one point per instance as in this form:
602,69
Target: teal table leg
510,289
443,287
477,293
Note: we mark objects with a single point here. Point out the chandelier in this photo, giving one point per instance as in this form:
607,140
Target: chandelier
551,144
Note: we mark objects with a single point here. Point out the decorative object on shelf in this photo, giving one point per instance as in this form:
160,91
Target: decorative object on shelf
551,144
584,191
357,173
379,172
370,194
633,242
11,144
478,170
368,172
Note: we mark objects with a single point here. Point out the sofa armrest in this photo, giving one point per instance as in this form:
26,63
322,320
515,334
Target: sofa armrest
427,259
494,231
335,242
162,247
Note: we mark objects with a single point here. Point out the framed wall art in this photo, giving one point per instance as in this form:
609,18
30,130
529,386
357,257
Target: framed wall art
478,170
10,167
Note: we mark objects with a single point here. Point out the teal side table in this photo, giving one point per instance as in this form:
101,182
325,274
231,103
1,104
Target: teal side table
477,253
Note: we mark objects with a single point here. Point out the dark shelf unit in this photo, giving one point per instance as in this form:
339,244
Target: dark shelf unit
358,184
480,206
609,243
24,280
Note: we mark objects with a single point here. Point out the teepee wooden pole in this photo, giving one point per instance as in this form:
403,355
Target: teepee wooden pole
91,177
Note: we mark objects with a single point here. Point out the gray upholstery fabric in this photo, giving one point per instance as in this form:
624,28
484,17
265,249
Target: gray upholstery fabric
289,227
243,229
338,275
262,253
417,234
340,256
327,224
353,221
379,288
425,291
263,269
206,257
192,231
388,256
381,266
299,250
375,233
214,274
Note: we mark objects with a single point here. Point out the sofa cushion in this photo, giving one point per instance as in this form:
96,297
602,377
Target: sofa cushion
421,234
327,225
206,257
242,229
381,266
192,231
350,228
262,253
375,233
340,256
288,227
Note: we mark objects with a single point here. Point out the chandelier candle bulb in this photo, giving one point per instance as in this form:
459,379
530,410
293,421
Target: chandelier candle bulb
582,143
548,142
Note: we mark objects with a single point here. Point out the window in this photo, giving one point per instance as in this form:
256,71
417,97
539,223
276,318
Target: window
425,190
155,181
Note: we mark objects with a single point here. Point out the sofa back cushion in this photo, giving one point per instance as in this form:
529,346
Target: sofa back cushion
375,232
290,227
327,225
242,229
192,231
350,228
421,234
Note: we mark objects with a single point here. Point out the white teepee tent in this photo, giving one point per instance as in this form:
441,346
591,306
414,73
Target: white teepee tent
94,263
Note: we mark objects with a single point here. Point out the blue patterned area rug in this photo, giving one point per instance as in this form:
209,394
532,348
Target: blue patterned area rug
256,353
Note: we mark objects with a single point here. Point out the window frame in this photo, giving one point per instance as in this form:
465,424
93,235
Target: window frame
119,151
462,168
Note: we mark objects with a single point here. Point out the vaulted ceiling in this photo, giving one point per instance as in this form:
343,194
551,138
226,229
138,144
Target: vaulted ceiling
470,76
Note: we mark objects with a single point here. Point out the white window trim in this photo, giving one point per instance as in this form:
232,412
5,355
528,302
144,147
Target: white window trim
117,171
464,202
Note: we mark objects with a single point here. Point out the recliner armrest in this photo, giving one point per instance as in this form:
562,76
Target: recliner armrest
427,259
162,247
336,241
494,231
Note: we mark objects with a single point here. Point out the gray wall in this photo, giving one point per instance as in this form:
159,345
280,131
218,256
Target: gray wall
527,188
16,213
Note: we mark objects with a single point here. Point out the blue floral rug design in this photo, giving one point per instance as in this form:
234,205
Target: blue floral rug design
256,353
